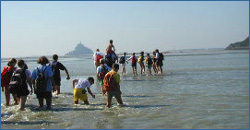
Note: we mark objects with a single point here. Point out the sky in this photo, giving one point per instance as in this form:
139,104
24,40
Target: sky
35,28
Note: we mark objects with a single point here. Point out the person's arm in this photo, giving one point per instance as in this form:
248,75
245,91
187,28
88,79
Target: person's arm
28,74
67,73
129,59
90,92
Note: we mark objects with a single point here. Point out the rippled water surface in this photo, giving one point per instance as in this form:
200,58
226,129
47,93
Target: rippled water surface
207,90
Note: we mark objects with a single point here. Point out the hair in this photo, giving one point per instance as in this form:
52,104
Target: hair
91,79
156,50
97,50
102,61
20,63
43,60
111,41
55,57
133,53
142,52
148,54
154,53
115,66
124,53
11,61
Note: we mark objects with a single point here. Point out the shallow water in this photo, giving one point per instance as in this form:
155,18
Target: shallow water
207,90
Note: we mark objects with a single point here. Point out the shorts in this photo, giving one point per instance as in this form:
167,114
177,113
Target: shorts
149,67
23,92
80,94
43,95
134,65
123,65
159,63
111,94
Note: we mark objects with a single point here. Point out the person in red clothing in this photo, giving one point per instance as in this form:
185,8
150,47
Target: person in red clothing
5,80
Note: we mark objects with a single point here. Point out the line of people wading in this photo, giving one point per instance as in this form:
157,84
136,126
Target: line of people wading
45,78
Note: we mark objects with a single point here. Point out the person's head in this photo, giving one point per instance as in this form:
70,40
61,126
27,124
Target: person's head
124,53
142,53
111,41
154,53
102,61
12,62
157,50
97,50
55,57
115,67
148,55
133,54
43,60
21,64
91,80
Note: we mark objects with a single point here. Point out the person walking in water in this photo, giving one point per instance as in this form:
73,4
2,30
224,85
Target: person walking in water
24,74
133,58
97,56
102,70
159,60
123,61
111,86
43,81
141,62
149,63
5,80
154,63
111,56
56,67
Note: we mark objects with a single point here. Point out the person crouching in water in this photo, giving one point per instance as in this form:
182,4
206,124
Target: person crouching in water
111,86
80,92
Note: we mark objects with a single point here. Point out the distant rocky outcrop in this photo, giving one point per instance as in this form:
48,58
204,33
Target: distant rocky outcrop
243,45
80,49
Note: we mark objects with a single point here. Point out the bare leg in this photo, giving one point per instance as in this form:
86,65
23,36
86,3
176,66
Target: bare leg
86,102
48,103
119,99
57,87
40,100
109,101
22,102
76,102
7,95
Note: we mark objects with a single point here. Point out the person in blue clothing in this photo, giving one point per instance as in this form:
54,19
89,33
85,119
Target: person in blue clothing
48,74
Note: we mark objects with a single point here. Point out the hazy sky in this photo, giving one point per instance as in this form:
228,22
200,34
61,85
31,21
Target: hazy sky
45,27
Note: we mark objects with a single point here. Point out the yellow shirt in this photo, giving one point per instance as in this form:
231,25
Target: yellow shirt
116,76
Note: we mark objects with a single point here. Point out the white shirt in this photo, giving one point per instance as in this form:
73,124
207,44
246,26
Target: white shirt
82,84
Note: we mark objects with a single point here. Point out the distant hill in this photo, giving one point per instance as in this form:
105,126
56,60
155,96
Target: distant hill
243,45
80,49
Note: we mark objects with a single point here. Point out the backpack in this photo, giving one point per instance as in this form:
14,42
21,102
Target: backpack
150,62
109,82
104,72
17,80
40,81
6,75
161,57
98,57
122,60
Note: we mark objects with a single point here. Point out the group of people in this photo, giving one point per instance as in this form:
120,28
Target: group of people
43,80
156,61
